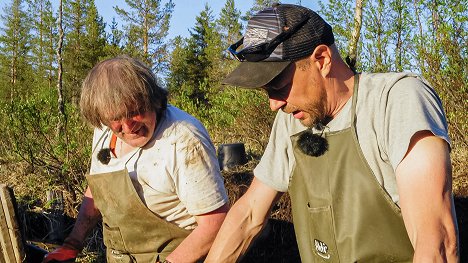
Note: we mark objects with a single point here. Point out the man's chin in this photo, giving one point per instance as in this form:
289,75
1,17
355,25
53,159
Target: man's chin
317,123
137,141
307,123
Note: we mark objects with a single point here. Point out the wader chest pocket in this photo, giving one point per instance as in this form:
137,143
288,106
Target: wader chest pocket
322,234
113,238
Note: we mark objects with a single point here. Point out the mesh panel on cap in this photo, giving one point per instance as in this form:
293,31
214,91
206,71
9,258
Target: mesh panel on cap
315,32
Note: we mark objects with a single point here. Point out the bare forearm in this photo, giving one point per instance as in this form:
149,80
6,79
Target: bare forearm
438,240
235,236
243,223
194,247
87,219
198,243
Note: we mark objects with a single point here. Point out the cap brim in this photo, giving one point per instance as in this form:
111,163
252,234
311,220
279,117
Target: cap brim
255,74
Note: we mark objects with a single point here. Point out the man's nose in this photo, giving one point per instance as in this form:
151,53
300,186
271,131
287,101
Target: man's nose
276,104
127,125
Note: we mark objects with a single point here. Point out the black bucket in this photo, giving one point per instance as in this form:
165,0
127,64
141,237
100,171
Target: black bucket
231,155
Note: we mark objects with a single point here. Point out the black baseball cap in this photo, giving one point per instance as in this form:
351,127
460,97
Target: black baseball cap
275,37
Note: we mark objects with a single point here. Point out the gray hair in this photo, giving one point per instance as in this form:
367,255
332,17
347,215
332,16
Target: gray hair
120,87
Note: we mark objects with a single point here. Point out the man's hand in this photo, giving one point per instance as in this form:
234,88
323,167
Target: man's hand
62,254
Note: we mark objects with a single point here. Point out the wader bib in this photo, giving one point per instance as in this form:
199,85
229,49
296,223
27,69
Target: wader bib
132,233
340,211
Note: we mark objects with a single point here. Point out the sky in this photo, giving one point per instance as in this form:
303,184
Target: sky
185,11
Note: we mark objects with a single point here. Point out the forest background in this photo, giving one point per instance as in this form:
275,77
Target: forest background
45,53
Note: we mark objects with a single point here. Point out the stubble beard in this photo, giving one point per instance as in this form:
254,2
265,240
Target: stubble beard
317,112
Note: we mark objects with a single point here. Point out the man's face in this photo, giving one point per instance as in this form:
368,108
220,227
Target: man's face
135,130
300,92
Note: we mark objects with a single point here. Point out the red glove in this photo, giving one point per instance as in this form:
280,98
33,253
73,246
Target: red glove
62,254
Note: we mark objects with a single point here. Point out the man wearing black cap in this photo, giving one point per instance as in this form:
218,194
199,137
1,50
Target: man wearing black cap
364,157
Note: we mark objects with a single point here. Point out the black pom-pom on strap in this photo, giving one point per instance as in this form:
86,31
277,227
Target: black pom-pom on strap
104,155
312,144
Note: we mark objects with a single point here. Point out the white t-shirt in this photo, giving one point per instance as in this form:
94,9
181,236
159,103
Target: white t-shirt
176,174
391,108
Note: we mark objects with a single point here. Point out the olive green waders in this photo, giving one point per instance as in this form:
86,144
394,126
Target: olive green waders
132,233
340,211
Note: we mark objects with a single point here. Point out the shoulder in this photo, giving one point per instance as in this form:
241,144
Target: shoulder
384,83
100,136
180,130
180,124
379,92
404,90
99,132
399,105
387,81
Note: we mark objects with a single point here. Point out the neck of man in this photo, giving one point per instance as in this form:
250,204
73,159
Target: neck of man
123,148
340,88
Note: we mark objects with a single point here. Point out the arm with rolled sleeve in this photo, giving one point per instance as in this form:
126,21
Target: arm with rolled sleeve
418,147
426,201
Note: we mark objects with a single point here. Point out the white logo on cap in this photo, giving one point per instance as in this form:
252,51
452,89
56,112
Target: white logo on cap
255,36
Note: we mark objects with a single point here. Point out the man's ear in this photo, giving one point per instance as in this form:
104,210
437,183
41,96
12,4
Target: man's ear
322,56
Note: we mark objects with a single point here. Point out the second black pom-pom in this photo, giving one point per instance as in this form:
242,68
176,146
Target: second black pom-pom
104,155
312,144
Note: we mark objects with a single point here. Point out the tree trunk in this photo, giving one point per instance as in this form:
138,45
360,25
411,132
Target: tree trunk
60,101
356,33
61,106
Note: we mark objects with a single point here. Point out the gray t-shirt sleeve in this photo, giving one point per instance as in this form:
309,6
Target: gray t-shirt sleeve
277,162
412,106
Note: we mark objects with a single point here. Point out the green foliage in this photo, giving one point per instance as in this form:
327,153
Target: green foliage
84,44
195,63
43,42
147,27
339,14
229,24
31,136
235,115
241,115
95,36
442,54
114,38
15,47
377,37
401,31
196,70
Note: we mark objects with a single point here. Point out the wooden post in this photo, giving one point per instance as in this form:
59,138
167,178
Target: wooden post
10,235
